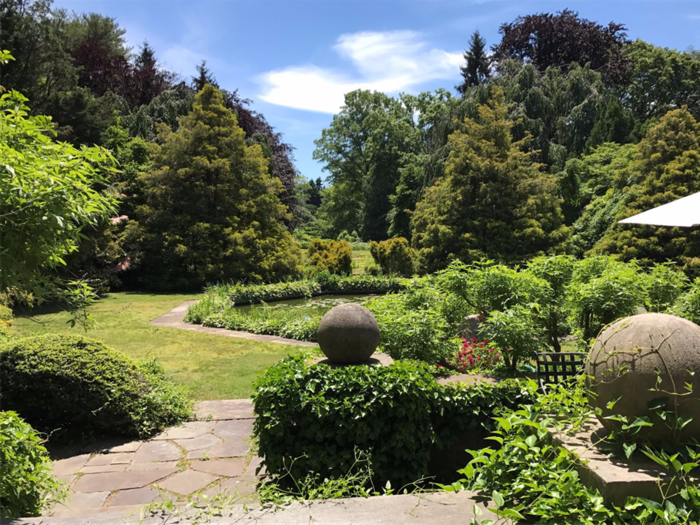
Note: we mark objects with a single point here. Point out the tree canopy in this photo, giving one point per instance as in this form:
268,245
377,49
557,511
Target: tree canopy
494,201
212,210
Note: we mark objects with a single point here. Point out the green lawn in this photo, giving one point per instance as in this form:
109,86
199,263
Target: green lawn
210,366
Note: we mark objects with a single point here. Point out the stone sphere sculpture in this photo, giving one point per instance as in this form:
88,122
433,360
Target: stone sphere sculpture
646,361
348,334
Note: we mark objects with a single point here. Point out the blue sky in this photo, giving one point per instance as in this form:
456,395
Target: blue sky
295,59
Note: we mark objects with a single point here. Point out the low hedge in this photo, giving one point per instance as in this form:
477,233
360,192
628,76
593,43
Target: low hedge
311,419
27,485
76,387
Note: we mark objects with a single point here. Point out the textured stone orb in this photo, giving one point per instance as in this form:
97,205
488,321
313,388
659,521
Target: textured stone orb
624,363
348,334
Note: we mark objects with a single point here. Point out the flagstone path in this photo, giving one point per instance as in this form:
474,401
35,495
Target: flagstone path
211,455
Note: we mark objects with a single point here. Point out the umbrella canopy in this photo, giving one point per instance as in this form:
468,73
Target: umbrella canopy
684,212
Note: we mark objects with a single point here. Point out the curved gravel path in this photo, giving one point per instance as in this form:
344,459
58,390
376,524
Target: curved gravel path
175,319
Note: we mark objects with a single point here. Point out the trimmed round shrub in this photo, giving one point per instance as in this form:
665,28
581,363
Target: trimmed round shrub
394,256
74,387
334,257
26,481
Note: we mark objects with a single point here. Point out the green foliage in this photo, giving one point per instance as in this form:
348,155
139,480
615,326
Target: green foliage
312,419
420,323
49,192
532,480
394,256
664,285
667,169
477,69
600,178
556,271
494,201
6,319
661,80
212,209
602,291
334,257
27,485
517,333
362,150
689,303
77,387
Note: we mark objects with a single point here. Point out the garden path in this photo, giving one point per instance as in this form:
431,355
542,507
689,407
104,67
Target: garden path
211,454
175,319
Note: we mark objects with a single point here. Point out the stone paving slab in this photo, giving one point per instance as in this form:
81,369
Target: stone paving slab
187,482
175,319
157,451
117,475
142,496
220,467
189,430
225,450
424,509
224,410
119,480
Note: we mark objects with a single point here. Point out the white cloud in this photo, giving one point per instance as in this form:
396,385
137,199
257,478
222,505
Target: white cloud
383,61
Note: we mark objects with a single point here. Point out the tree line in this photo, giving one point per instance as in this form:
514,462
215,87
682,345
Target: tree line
559,130
553,134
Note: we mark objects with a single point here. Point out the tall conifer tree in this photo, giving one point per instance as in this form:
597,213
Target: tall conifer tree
477,69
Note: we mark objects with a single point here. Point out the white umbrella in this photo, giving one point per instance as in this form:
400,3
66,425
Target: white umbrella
683,212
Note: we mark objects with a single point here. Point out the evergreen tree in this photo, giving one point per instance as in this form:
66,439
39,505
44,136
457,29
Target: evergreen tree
203,77
212,209
668,169
493,202
477,70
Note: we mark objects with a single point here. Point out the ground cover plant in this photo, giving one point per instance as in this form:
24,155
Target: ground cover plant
27,485
313,420
207,366
76,387
531,479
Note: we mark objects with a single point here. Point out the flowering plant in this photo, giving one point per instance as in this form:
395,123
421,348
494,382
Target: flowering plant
474,354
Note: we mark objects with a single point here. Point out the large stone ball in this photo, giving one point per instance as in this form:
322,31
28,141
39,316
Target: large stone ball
648,360
348,334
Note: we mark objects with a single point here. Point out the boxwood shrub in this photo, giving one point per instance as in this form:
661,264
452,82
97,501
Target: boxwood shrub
312,419
75,387
27,484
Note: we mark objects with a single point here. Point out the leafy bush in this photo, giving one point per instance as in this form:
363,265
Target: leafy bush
394,256
334,257
664,285
517,332
689,303
603,290
312,419
372,269
420,323
27,484
79,387
534,481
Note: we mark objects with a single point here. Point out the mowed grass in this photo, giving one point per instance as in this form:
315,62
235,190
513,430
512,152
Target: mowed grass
209,366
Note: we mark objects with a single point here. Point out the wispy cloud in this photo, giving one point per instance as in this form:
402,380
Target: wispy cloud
383,61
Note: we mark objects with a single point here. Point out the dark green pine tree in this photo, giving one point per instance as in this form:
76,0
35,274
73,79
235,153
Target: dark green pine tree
477,69
203,77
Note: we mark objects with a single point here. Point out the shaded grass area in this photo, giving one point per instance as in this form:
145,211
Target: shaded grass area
209,366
